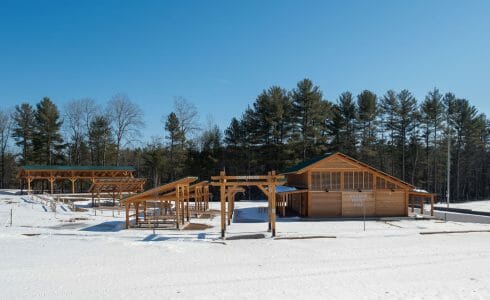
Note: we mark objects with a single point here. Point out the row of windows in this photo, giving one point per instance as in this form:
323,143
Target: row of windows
353,181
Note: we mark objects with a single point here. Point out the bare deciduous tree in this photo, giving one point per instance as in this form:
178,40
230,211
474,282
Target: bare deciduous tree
187,114
126,118
78,115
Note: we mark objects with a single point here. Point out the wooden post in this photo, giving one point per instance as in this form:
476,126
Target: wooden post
127,205
73,179
144,210
422,206
284,203
407,198
432,205
229,195
51,184
182,204
413,203
29,180
187,198
177,207
137,212
272,193
222,190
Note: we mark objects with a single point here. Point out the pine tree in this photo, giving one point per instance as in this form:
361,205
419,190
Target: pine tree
310,115
176,139
367,113
389,106
407,116
100,141
342,125
23,131
432,110
48,142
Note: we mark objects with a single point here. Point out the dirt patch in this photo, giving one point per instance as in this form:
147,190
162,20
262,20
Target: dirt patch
71,220
391,224
80,209
305,237
206,216
31,234
196,226
246,237
449,232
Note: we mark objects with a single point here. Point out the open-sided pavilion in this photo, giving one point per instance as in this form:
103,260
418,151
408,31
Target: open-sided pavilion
27,174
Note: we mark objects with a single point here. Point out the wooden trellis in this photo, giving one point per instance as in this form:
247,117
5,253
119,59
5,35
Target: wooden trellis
266,183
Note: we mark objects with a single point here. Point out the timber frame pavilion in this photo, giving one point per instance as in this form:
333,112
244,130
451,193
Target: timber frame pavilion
27,174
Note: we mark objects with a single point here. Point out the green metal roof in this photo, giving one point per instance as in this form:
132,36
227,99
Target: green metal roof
305,163
79,168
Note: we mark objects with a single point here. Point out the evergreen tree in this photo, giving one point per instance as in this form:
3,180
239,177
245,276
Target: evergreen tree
23,131
342,125
176,152
389,107
48,142
407,115
432,110
367,113
100,141
310,115
154,161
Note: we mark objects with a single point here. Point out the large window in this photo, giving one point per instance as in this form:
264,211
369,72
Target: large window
355,181
381,183
325,181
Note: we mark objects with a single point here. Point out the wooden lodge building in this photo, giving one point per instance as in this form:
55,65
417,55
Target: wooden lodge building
337,185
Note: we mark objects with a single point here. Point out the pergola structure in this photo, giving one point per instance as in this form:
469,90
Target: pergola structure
115,187
52,174
228,187
170,201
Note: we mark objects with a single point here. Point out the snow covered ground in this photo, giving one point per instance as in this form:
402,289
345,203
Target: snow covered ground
79,255
480,205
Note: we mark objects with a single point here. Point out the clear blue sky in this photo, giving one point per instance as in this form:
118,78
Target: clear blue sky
221,54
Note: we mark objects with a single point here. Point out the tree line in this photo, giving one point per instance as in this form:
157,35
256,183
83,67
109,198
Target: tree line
393,132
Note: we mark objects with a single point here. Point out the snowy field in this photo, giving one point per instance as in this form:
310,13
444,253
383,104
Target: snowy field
75,255
481,205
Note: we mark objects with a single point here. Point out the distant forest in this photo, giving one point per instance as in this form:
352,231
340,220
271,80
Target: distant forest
392,132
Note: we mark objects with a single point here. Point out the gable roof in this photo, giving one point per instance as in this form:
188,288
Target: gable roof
77,168
306,165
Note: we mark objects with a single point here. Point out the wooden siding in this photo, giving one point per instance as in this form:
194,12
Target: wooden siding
326,204
299,180
336,163
349,209
298,204
390,203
